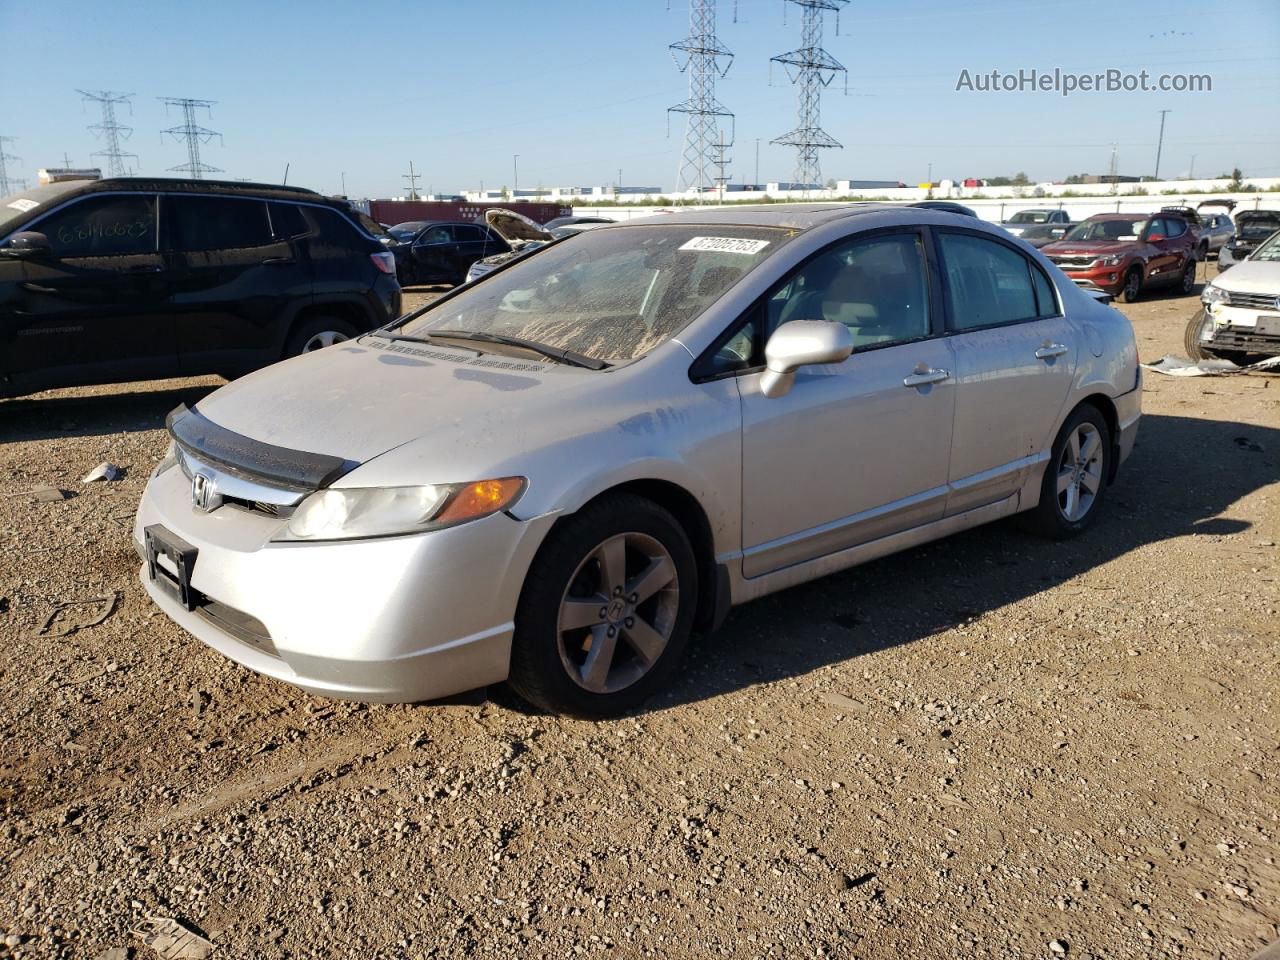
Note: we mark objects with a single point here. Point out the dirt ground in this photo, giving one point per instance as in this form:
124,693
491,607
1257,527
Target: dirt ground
991,746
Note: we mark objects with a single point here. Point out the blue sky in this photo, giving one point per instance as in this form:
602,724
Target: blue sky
579,89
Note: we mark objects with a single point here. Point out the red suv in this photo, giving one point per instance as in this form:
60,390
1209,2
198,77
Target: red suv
1126,253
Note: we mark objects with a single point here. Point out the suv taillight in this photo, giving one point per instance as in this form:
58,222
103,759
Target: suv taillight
386,262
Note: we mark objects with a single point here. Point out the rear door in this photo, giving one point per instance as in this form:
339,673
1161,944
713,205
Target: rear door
97,310
1015,355
471,243
1165,261
234,282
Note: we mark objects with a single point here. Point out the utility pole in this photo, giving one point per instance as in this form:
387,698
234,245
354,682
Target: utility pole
413,178
1160,143
811,68
192,133
344,182
756,181
8,184
929,177
111,130
700,55
515,174
1191,174
1113,175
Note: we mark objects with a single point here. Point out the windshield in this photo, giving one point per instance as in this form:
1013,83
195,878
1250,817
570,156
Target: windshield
1257,228
611,294
405,231
18,206
1030,216
1107,230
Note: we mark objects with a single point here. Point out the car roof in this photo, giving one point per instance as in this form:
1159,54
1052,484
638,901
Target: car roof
273,191
795,216
1121,216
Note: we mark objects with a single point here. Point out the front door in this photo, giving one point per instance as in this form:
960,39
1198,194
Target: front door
1015,355
97,308
857,450
434,256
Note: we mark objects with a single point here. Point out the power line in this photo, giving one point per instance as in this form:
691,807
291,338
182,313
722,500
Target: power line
192,133
111,130
8,184
700,55
811,68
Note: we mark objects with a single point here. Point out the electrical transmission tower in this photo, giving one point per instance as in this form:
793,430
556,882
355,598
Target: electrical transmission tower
700,55
8,184
192,133
811,68
111,130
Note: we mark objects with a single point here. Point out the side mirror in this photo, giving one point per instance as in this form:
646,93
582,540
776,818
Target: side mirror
28,245
1155,237
801,343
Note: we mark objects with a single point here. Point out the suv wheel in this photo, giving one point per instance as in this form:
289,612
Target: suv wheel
1132,285
1075,477
606,610
318,333
1188,277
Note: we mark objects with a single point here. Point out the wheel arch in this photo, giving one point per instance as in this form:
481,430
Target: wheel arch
713,578
353,312
1106,406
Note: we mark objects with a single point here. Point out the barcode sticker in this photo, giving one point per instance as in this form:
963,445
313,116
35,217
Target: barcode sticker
725,245
24,205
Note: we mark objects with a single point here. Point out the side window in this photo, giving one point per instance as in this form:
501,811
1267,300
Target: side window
107,225
876,287
1176,228
336,232
287,220
987,283
1156,225
466,234
217,223
436,235
1046,301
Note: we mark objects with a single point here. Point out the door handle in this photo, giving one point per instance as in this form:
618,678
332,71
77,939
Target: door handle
37,288
277,261
925,376
145,268
1051,350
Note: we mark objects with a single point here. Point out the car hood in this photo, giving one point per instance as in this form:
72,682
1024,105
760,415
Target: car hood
512,226
1097,248
360,399
1251,276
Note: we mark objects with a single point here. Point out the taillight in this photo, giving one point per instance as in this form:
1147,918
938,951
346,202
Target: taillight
386,262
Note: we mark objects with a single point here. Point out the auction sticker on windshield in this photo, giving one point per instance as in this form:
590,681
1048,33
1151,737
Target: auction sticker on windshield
725,244
24,205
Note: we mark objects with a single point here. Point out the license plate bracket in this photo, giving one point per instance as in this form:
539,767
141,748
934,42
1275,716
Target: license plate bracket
173,577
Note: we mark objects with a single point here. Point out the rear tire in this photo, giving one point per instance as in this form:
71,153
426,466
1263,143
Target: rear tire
573,651
1075,478
1188,282
316,333
1132,288
1196,350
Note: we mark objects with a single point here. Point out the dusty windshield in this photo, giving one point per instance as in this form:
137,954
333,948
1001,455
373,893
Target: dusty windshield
1107,230
1269,250
611,294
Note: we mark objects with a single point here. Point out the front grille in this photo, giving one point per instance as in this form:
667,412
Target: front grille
236,623
1257,301
1073,261
276,510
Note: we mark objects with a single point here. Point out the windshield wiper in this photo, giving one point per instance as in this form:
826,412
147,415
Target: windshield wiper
560,354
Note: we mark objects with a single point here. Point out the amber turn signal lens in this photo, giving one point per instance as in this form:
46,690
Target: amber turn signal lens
480,499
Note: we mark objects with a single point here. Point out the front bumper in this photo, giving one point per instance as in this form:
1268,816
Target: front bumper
1240,330
394,619
1107,279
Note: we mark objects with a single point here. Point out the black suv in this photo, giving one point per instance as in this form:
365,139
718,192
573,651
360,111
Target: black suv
434,251
107,281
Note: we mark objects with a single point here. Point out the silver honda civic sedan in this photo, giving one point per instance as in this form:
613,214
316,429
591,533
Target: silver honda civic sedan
555,475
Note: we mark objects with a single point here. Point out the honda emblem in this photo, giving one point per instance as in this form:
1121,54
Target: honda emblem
204,493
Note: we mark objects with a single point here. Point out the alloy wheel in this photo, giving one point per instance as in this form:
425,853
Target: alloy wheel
325,338
618,613
1080,472
1132,284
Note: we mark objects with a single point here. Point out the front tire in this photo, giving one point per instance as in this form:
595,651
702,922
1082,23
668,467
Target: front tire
606,610
1188,283
1075,479
1132,289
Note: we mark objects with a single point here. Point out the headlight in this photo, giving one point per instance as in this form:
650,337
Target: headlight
1211,295
1112,261
384,511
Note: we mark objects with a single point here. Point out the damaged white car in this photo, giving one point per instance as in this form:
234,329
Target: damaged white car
557,475
524,236
1240,316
